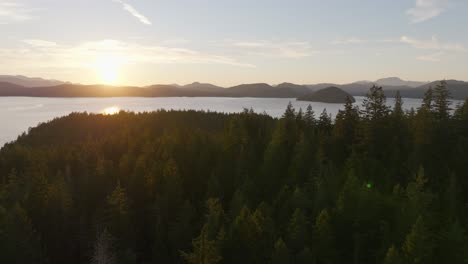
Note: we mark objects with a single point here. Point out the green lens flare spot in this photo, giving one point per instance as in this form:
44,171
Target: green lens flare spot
369,185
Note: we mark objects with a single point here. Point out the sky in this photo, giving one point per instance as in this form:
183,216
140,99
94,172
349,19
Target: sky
227,42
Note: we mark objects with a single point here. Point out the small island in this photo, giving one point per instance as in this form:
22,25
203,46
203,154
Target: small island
333,95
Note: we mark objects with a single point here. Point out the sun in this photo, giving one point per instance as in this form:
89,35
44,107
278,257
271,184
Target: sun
107,68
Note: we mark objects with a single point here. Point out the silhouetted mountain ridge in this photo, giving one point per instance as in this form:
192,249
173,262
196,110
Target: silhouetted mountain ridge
28,81
395,81
333,95
458,89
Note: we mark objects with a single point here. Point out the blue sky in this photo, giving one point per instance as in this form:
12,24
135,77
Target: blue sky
143,42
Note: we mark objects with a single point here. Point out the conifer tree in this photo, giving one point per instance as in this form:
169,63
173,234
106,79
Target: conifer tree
324,238
453,244
418,244
442,101
297,231
305,256
103,252
309,116
374,107
398,108
205,251
19,241
281,253
428,100
392,256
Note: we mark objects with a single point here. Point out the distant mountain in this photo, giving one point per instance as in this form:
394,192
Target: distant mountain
10,89
299,89
364,82
395,81
356,88
262,90
458,90
191,90
332,95
29,82
205,87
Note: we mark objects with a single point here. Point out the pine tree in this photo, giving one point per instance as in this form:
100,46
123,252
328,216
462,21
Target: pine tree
290,112
453,244
324,238
117,217
345,130
442,101
374,107
297,231
305,256
181,230
398,108
324,123
280,253
428,100
309,116
393,256
19,241
103,249
205,251
418,244
419,196
215,218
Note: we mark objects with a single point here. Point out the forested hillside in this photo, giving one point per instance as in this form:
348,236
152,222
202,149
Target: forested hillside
376,185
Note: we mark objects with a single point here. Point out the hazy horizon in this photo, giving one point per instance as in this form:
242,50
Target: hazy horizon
142,42
239,82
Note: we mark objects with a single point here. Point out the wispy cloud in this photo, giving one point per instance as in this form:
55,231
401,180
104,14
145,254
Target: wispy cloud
434,57
438,48
423,44
290,50
50,55
130,9
433,44
11,11
39,43
351,40
426,9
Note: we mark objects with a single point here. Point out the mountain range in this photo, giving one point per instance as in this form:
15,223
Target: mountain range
28,82
37,87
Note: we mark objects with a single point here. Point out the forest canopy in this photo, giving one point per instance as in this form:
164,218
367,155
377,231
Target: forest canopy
375,185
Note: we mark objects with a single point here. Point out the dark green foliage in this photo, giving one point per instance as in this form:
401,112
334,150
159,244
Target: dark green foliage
281,253
374,186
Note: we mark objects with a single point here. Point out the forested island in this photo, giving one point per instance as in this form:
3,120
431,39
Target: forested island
332,95
375,185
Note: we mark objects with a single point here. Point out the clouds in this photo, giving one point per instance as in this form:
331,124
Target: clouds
287,50
439,49
11,12
434,57
51,55
426,9
351,40
433,44
435,48
39,43
130,9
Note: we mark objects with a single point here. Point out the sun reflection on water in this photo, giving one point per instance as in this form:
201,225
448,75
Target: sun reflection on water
111,110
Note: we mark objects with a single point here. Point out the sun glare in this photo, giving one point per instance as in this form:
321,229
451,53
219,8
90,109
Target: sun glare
111,110
107,67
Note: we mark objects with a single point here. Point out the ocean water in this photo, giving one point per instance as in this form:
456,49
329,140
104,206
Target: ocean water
17,114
